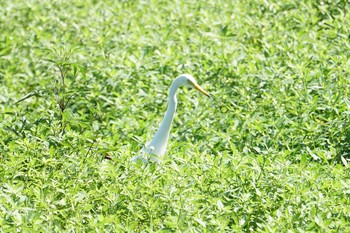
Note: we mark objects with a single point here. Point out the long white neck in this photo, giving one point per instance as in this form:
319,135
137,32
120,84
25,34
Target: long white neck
160,140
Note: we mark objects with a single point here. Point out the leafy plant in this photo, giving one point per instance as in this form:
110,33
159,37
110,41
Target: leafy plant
85,81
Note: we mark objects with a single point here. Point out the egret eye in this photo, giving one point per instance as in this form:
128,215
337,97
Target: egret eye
190,83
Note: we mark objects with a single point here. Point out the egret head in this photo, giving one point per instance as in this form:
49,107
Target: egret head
189,81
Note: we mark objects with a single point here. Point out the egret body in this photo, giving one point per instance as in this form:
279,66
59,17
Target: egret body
157,146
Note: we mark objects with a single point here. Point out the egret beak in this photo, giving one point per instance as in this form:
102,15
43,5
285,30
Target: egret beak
195,85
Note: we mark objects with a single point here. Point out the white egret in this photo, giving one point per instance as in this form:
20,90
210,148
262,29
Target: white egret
157,146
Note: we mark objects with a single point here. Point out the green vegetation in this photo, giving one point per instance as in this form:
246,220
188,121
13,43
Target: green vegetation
81,80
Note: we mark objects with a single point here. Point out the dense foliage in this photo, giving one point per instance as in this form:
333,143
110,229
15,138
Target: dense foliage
82,80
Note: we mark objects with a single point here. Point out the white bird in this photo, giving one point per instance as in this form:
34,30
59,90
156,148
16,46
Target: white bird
157,146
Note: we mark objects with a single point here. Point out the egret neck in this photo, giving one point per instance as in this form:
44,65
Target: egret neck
160,139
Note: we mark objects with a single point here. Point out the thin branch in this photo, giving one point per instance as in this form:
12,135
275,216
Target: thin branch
34,93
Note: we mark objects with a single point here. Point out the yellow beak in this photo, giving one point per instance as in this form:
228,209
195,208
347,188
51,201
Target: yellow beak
195,85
